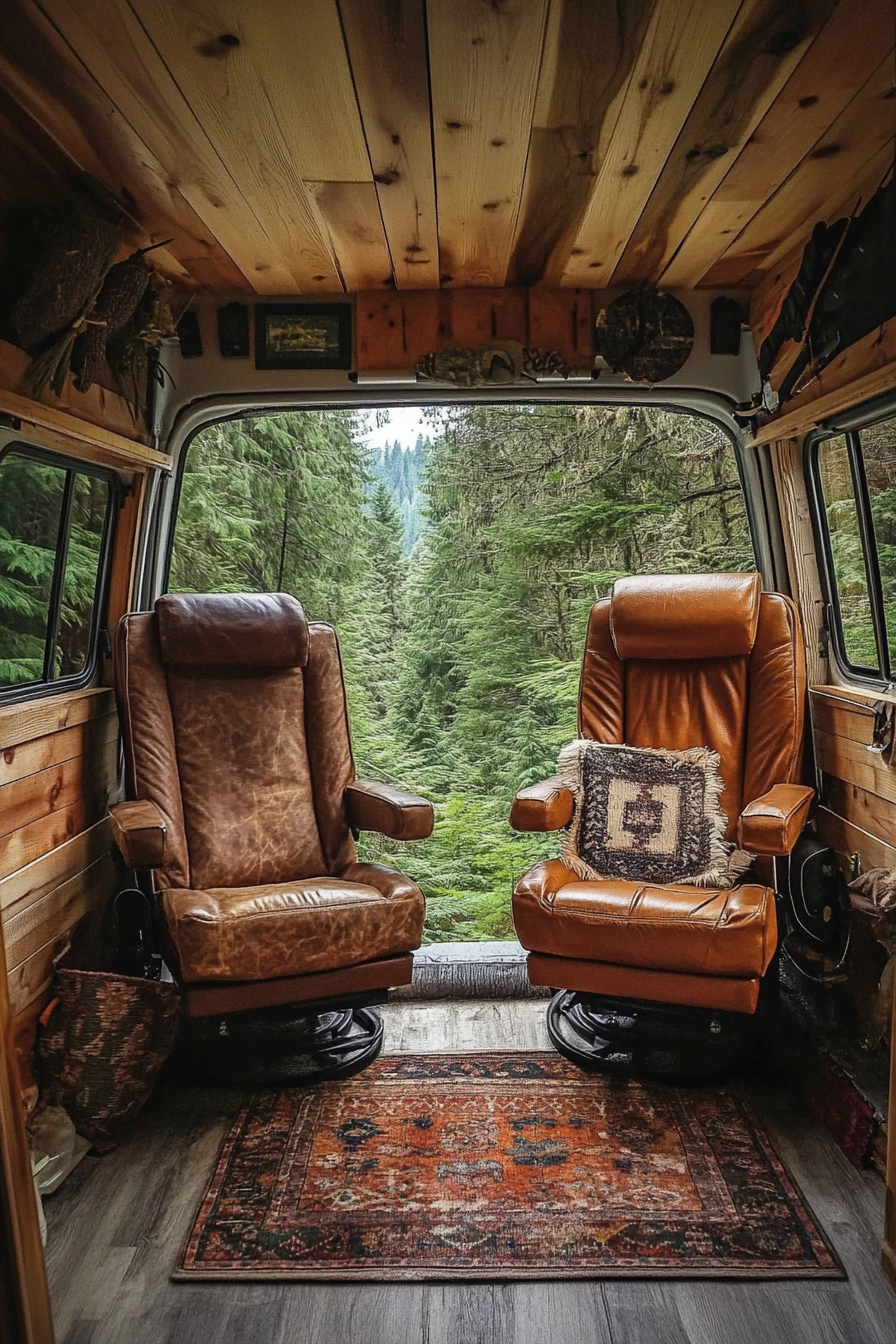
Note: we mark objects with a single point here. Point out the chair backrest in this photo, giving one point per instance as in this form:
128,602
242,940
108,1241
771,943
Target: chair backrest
700,660
234,723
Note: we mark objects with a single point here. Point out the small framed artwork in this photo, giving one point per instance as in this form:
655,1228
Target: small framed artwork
303,336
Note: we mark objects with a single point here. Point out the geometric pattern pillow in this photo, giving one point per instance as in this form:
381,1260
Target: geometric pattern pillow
648,815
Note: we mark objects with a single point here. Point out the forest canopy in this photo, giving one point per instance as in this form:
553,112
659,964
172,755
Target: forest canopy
459,573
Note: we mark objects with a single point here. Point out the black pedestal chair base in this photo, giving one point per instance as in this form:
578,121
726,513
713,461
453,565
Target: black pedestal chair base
634,1036
288,1046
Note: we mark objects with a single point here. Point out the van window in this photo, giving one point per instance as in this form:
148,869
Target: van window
856,482
458,552
55,519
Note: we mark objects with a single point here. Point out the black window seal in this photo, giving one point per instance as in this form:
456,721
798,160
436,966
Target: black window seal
73,466
848,428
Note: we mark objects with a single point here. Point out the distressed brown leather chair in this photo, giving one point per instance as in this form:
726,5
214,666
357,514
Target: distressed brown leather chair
663,978
243,801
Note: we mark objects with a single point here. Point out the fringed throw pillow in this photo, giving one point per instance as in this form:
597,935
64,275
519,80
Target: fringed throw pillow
646,815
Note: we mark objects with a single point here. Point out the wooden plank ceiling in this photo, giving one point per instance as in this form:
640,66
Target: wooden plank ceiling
315,146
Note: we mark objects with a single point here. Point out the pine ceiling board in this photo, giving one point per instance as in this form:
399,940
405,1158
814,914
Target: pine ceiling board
44,161
837,63
856,137
681,43
225,84
351,213
772,284
386,42
107,36
36,65
765,44
589,53
484,58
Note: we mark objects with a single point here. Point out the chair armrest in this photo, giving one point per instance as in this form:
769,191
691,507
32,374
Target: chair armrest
772,824
139,831
377,807
547,806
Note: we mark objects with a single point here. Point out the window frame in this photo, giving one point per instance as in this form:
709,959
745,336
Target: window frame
73,467
849,427
760,520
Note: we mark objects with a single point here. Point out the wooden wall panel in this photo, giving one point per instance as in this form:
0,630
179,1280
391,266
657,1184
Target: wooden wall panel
678,50
59,769
484,62
386,43
858,785
394,331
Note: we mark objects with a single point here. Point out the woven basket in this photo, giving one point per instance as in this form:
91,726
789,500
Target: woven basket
101,1051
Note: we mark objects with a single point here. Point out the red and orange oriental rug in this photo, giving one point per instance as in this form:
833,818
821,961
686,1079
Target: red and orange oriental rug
500,1166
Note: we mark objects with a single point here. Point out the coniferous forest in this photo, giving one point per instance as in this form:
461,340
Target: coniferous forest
458,572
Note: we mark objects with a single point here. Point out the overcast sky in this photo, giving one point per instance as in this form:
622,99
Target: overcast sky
404,424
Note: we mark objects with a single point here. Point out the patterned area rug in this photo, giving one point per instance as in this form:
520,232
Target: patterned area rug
500,1166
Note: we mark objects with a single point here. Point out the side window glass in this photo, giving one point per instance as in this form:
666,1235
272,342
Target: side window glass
878,444
54,524
847,554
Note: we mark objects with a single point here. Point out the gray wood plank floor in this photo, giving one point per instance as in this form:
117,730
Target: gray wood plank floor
117,1224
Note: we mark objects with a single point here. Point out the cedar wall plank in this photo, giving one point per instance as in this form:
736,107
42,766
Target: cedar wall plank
21,847
27,800
679,48
85,417
28,929
854,763
43,752
386,42
846,839
52,714
484,61
35,879
843,55
859,806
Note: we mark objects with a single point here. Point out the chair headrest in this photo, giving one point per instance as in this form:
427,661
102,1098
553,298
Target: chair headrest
232,629
685,615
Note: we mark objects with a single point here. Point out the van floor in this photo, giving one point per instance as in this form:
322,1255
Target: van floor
117,1224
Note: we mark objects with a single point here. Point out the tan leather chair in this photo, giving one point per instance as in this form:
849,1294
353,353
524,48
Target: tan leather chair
243,801
662,978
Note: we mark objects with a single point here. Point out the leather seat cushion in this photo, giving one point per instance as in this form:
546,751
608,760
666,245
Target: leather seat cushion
697,930
293,928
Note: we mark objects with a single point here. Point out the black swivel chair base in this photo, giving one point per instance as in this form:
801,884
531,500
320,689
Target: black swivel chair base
288,1046
634,1036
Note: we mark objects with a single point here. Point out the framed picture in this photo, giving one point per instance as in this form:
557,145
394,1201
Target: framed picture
303,336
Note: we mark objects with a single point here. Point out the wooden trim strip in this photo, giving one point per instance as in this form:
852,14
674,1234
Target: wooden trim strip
79,437
802,418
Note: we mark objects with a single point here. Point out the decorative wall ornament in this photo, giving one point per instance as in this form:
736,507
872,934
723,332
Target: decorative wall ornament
496,364
645,334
